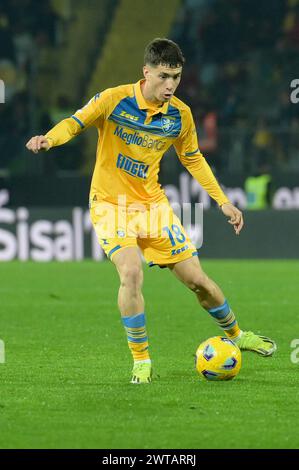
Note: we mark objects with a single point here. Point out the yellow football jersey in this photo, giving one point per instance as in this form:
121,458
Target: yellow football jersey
133,136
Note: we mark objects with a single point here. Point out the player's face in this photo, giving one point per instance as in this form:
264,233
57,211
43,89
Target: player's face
161,81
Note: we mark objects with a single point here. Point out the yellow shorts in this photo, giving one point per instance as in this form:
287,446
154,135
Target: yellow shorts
157,231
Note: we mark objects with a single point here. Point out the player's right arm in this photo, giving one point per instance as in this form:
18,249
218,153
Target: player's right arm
67,129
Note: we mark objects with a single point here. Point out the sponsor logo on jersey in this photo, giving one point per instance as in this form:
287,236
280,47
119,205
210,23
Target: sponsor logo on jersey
129,116
134,138
131,166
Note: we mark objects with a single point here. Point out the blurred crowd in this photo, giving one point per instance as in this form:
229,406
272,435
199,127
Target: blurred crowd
26,28
241,58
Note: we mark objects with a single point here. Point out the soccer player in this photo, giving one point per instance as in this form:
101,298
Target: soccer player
137,123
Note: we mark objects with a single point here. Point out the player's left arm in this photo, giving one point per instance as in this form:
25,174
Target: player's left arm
189,154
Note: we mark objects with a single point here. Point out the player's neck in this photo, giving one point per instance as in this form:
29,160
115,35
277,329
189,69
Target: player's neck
148,96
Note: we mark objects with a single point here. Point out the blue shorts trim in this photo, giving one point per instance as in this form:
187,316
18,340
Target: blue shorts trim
117,247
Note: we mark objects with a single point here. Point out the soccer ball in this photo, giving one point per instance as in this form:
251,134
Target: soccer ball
218,358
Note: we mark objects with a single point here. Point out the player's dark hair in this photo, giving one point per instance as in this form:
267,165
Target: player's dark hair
165,52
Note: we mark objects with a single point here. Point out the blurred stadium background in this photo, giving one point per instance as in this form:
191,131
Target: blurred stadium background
241,59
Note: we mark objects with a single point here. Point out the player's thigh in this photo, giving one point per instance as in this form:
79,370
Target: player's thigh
190,272
129,265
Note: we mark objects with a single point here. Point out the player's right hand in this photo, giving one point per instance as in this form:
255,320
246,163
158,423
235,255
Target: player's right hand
38,143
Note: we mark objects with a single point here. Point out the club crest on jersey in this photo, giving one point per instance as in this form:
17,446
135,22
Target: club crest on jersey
167,124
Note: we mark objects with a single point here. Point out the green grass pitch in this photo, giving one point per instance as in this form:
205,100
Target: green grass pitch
65,382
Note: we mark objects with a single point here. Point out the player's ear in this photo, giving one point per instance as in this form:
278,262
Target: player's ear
145,71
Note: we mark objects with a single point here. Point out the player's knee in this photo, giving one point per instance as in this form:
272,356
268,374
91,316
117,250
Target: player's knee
131,276
198,282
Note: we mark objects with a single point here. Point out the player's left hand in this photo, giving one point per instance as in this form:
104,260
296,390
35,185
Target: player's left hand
235,216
